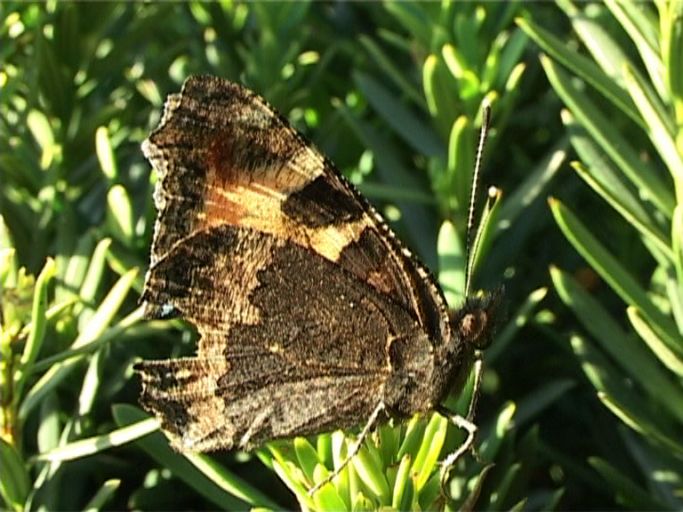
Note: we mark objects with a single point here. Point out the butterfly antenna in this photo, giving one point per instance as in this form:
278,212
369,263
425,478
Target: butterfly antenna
483,133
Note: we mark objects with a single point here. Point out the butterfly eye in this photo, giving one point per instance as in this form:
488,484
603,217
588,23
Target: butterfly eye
473,329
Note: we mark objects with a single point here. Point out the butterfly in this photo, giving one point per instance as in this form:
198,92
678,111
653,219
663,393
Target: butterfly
312,315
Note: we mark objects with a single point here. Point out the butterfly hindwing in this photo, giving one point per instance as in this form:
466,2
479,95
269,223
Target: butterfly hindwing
206,404
288,329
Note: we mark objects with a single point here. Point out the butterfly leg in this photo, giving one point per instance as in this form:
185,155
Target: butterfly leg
255,426
466,423
355,448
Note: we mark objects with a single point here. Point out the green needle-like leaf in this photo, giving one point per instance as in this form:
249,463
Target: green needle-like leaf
92,445
582,66
611,141
615,274
629,353
15,483
38,323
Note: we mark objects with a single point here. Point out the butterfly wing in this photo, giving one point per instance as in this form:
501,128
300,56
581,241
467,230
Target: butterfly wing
283,330
225,157
293,281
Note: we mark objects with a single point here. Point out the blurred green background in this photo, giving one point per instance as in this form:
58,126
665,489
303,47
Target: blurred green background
582,400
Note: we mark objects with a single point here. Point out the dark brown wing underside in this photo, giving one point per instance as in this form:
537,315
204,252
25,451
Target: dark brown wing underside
248,292
296,285
202,414
302,340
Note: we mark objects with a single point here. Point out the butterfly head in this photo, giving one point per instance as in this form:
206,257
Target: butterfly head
475,323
